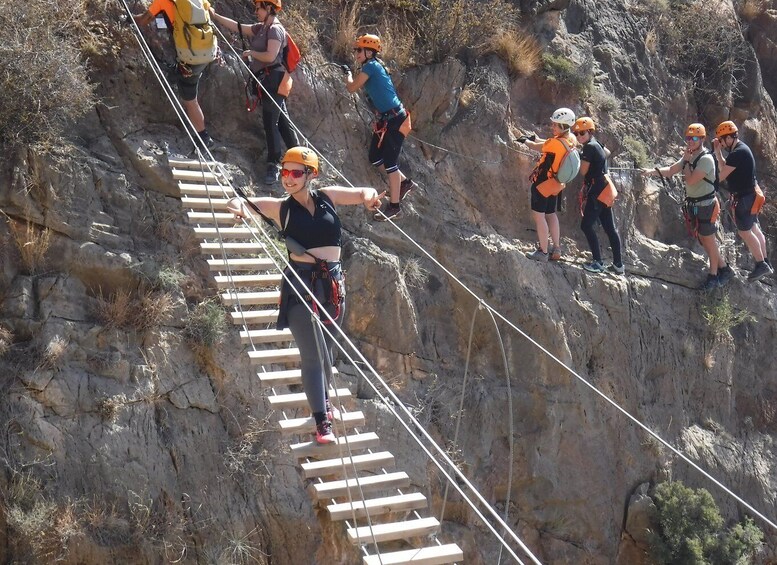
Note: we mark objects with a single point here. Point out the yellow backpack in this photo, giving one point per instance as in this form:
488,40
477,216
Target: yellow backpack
193,34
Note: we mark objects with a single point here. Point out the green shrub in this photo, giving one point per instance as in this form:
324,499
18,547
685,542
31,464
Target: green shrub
691,530
568,74
169,278
721,317
638,150
206,324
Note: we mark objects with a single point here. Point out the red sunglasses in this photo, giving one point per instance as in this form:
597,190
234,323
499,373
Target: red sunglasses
293,173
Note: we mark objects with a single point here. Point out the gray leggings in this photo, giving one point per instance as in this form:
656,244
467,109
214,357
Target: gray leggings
314,374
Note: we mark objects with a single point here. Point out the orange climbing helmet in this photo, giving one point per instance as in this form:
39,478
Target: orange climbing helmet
726,128
696,129
368,41
584,124
276,3
302,156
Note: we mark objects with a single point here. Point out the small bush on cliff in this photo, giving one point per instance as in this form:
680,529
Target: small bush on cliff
691,530
638,150
722,317
520,51
43,82
32,242
568,74
206,324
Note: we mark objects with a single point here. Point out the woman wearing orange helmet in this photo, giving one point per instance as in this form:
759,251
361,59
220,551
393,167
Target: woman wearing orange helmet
266,40
701,206
593,168
309,218
392,120
738,167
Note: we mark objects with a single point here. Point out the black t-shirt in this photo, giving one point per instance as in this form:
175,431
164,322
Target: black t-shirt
319,230
742,178
593,153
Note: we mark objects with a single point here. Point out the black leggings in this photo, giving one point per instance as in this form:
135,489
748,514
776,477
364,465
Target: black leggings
276,124
595,210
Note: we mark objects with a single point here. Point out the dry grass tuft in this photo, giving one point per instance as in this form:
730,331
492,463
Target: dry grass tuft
346,31
32,242
6,340
520,51
751,9
142,312
53,352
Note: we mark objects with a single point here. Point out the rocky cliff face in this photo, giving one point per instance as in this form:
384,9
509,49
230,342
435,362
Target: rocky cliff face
125,444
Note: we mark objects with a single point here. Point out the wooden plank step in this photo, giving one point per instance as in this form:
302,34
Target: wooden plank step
233,247
299,400
269,356
308,425
217,204
265,336
225,281
248,317
384,481
242,264
393,531
265,297
377,506
198,176
381,459
278,378
338,448
208,218
434,555
192,164
229,233
219,191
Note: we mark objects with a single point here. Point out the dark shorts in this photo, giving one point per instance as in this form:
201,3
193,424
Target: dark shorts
542,204
742,216
305,270
391,146
187,86
700,218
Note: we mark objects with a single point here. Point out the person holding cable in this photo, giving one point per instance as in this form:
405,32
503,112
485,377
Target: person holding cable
266,41
392,123
309,217
747,199
701,208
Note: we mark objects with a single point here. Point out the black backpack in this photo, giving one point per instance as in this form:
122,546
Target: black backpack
716,183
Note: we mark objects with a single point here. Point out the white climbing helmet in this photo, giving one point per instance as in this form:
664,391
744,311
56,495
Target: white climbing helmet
563,116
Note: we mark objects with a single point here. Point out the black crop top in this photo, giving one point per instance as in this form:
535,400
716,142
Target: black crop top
322,229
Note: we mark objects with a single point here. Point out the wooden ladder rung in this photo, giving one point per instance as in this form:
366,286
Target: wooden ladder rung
193,164
265,336
393,530
249,317
188,189
377,506
194,203
299,400
232,298
308,425
269,356
242,264
232,247
198,176
278,378
433,555
384,481
228,233
242,281
338,448
210,218
381,459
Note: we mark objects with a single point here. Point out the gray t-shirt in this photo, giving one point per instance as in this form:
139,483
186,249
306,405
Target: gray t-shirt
261,35
702,188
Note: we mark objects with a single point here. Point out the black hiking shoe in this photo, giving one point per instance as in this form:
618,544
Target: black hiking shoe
594,267
725,274
272,174
324,433
710,284
762,269
405,187
391,211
